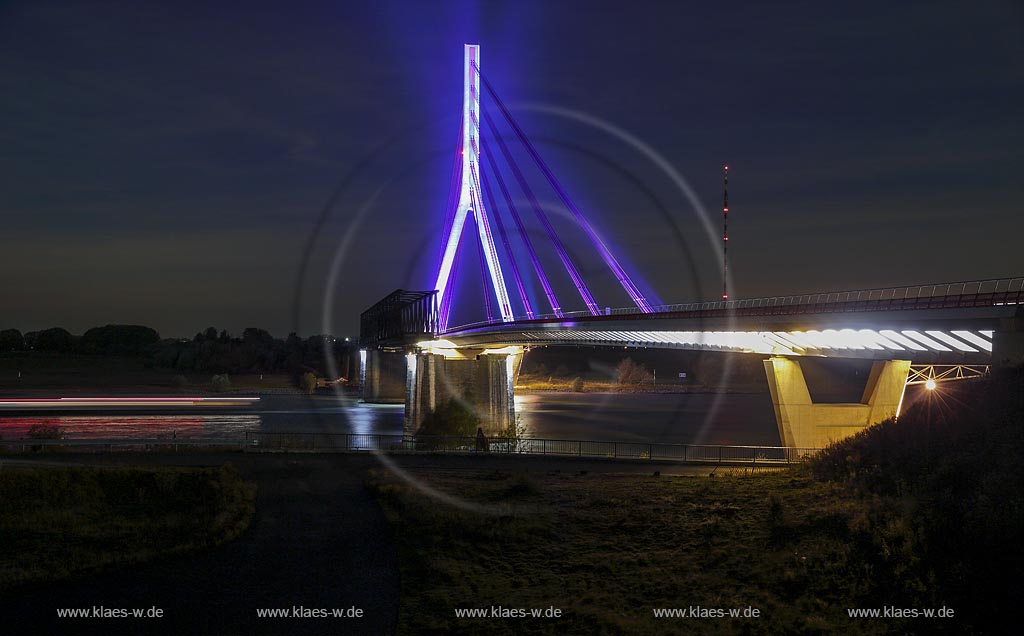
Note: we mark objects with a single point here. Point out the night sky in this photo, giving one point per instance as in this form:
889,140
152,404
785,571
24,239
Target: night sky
167,164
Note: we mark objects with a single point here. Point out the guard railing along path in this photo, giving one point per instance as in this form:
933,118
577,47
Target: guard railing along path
356,442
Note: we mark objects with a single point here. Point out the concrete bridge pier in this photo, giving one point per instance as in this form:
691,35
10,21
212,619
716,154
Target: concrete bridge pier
482,381
804,424
1008,342
382,377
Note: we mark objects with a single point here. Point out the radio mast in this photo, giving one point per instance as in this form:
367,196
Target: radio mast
725,233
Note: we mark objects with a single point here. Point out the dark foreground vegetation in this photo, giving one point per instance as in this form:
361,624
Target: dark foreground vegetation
945,486
60,522
921,513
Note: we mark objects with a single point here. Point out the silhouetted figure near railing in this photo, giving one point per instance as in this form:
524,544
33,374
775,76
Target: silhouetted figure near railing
482,444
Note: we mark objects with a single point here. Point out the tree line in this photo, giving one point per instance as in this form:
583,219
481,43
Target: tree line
209,351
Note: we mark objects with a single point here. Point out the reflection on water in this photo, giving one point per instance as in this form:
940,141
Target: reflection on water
135,426
364,419
666,418
671,418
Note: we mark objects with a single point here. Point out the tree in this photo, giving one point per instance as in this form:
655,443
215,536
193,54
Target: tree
309,382
451,418
11,340
55,340
630,372
120,340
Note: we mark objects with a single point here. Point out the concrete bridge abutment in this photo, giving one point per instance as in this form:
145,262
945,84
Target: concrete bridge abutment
382,377
1008,342
804,424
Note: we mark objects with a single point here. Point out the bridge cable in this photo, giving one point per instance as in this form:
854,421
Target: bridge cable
446,302
521,227
588,229
483,279
549,229
489,194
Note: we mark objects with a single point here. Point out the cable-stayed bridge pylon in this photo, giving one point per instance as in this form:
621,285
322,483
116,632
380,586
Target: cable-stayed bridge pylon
473,197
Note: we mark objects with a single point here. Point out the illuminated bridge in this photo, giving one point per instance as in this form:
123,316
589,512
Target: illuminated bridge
411,353
938,323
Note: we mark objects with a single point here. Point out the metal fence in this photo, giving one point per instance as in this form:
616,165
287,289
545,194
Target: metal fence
355,442
88,444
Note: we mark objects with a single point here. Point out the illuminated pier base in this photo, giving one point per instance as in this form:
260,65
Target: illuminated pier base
804,424
382,377
482,382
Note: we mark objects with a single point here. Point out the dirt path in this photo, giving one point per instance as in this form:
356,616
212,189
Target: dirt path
318,540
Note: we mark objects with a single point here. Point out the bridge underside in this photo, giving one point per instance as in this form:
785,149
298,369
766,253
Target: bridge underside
933,345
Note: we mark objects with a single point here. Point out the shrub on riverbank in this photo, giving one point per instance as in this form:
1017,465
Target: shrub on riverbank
220,383
452,418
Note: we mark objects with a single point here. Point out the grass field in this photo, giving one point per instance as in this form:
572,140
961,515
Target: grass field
60,522
921,513
607,550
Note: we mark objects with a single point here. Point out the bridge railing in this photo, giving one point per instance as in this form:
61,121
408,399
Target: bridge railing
373,442
400,314
975,293
959,294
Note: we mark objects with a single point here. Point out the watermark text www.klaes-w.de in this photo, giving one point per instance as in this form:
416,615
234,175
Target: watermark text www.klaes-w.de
301,611
892,611
102,611
500,611
698,611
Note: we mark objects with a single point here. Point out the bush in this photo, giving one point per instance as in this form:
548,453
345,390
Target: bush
577,384
630,372
451,418
308,382
221,382
516,436
180,382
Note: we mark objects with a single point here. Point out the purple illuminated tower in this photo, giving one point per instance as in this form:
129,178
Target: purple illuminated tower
470,199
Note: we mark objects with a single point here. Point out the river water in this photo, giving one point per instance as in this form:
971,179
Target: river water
667,418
